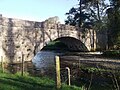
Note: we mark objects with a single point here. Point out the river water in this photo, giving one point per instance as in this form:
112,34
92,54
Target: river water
45,59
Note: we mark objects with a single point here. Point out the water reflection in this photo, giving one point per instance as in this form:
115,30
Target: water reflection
44,59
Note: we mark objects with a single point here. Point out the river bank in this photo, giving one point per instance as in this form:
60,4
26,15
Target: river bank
17,82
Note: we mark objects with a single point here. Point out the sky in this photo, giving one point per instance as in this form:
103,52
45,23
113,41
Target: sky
36,10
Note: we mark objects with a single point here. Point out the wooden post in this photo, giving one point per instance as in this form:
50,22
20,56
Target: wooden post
22,71
68,75
58,79
79,62
2,64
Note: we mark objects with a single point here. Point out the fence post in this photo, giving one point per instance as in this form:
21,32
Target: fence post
58,79
22,71
68,75
2,64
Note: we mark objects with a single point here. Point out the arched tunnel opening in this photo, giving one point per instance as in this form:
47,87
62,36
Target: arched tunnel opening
66,44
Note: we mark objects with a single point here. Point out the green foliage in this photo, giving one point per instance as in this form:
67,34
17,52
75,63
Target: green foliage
19,74
112,53
88,14
65,87
55,45
93,70
77,16
114,24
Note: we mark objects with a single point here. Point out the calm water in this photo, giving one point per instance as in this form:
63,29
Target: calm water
45,59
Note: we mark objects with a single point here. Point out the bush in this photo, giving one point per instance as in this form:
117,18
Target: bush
112,53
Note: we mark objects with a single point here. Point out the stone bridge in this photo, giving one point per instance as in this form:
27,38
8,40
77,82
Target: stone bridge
28,37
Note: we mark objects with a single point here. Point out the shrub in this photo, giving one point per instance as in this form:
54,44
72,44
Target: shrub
112,53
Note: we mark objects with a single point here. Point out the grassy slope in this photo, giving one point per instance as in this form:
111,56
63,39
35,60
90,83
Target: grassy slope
17,82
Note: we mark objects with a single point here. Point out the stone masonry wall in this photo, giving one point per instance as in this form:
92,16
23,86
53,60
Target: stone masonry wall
19,37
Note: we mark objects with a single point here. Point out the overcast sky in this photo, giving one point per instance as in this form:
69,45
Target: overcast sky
37,10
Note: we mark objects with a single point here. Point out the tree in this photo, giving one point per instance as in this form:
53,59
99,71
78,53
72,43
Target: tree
77,16
87,13
114,24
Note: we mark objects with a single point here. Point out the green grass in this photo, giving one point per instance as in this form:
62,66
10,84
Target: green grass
18,82
55,45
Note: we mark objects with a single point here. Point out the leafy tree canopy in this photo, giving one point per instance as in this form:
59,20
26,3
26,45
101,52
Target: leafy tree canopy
87,14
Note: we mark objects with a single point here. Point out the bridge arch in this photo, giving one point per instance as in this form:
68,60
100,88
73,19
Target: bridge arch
66,43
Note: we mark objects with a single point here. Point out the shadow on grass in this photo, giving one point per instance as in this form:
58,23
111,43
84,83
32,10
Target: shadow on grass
24,85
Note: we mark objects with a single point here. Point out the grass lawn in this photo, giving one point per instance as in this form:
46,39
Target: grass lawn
17,82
